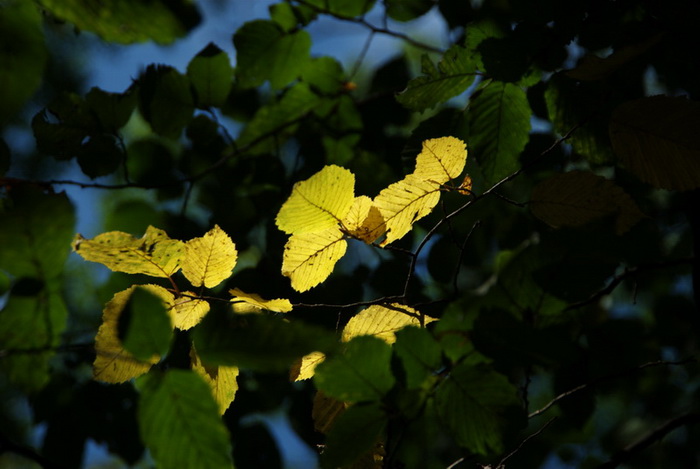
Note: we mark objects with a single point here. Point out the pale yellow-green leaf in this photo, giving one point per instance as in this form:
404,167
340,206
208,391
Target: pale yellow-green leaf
304,368
363,221
309,258
403,203
187,311
319,202
112,363
383,322
154,254
252,303
656,139
441,159
578,197
209,260
221,379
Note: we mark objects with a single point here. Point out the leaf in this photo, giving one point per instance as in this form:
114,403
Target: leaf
324,74
355,432
221,380
211,75
266,52
473,403
113,110
154,254
403,203
361,373
187,311
319,202
453,75
363,221
113,364
210,259
179,421
165,100
346,8
655,138
383,322
305,367
149,330
325,411
407,10
499,126
309,258
252,303
420,355
441,159
578,197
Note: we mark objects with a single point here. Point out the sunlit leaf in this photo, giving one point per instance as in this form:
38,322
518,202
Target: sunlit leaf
364,221
179,421
383,322
306,366
154,254
441,159
319,202
252,303
221,380
578,197
188,311
210,259
655,138
354,433
113,364
309,258
211,75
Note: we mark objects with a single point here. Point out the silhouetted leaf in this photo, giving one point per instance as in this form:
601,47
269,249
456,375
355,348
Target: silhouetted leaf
211,75
354,432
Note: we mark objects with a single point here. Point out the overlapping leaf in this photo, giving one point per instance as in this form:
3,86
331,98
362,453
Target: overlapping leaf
309,258
188,311
441,159
252,303
383,322
210,259
364,221
221,380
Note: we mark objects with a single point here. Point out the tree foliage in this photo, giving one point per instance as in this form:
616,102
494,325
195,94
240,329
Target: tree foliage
478,253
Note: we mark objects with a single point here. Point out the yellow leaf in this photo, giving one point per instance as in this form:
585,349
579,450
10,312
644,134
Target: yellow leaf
210,259
364,221
325,411
221,380
187,312
319,202
112,363
154,254
309,258
304,368
252,303
441,159
403,203
383,322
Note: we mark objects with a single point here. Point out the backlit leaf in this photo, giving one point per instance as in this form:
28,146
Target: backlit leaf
319,202
656,139
383,322
354,432
179,421
221,380
420,355
149,330
252,303
113,364
309,258
187,311
364,221
154,254
165,100
211,75
441,159
210,259
305,367
577,197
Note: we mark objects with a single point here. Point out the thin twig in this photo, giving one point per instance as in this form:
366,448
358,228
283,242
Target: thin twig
502,462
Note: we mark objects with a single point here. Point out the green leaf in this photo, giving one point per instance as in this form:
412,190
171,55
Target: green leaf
354,433
63,125
347,8
284,15
211,75
361,373
504,59
148,329
113,110
257,341
266,52
324,74
179,421
128,21
22,55
477,405
165,100
100,155
407,10
420,355
499,124
452,76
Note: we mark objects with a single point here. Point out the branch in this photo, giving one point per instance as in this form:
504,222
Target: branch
502,462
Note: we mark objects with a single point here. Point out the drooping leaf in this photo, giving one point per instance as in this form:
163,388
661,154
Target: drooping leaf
655,139
221,380
210,259
154,254
113,364
420,355
305,367
188,311
354,433
361,373
346,8
252,303
578,197
179,421
403,203
383,322
499,124
149,330
319,202
364,221
452,76
267,52
441,159
211,75
165,100
309,258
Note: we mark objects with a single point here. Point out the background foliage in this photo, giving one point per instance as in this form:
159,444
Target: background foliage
552,319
